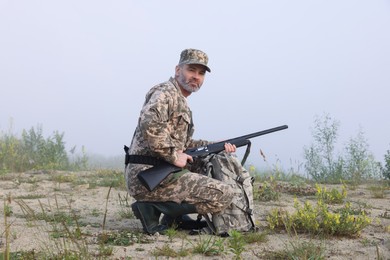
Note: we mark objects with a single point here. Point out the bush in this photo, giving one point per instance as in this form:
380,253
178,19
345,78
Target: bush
319,219
386,170
356,164
34,152
267,191
321,163
10,153
41,153
331,197
360,163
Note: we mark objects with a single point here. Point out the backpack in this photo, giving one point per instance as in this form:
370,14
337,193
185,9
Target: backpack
240,214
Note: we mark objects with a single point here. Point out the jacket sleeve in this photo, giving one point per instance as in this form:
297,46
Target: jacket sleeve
155,128
197,143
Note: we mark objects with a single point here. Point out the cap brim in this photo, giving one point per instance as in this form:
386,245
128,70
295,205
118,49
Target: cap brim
197,63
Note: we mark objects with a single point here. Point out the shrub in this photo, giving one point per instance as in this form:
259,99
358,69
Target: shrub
10,153
321,163
386,169
267,191
356,164
333,196
319,219
360,163
34,152
43,153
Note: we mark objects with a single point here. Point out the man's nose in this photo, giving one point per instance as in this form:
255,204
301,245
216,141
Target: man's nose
196,75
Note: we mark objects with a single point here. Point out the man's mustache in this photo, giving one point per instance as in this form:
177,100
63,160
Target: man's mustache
192,81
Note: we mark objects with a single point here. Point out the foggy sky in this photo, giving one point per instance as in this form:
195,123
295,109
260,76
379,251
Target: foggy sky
84,67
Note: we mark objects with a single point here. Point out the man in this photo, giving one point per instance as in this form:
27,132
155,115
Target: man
164,131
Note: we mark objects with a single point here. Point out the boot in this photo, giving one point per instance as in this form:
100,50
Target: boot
149,213
184,222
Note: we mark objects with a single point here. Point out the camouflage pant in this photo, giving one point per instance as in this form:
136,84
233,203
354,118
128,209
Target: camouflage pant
207,194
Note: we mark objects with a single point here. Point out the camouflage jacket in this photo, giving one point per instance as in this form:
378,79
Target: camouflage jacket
165,126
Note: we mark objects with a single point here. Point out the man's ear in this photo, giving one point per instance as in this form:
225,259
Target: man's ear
177,69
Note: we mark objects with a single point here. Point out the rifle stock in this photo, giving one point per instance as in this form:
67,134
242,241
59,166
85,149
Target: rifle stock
152,177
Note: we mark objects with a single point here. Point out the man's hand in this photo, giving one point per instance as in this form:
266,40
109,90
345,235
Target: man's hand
230,148
182,159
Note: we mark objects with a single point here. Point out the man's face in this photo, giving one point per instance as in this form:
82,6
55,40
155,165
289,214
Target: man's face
190,76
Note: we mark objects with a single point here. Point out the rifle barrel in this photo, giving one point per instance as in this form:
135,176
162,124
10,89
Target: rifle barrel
264,132
240,141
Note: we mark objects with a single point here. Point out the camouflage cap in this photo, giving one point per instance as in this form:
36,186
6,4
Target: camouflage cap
193,56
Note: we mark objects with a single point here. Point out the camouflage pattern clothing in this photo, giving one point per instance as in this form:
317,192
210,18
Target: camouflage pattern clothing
165,126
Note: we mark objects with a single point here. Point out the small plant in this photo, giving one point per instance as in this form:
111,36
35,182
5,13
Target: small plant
104,250
377,192
304,250
255,237
63,178
333,196
387,229
344,223
7,210
110,178
236,243
125,209
21,255
209,246
367,242
167,251
122,238
301,189
7,228
295,250
95,212
171,233
267,191
305,218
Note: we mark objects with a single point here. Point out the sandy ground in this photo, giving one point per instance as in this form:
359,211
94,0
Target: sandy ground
101,210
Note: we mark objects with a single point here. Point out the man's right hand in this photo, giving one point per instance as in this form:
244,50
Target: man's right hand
182,159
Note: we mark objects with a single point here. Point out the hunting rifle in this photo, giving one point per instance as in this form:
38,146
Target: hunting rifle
152,177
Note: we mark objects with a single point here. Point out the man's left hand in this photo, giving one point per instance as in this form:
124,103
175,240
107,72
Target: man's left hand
230,148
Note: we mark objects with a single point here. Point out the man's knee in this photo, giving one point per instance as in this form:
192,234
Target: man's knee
218,199
227,196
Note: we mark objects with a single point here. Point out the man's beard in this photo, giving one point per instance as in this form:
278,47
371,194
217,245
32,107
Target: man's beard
190,88
187,86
